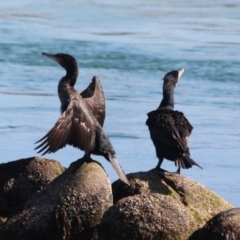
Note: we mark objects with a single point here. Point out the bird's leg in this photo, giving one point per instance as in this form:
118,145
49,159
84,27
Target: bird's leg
159,164
78,163
84,159
160,169
178,171
87,157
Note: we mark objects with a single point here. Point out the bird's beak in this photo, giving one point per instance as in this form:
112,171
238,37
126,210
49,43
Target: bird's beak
51,56
180,72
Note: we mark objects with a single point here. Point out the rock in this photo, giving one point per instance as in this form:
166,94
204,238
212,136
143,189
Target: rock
147,216
172,196
70,207
21,179
142,183
223,226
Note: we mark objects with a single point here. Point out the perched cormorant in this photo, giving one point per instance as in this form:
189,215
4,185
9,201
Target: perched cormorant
77,126
169,129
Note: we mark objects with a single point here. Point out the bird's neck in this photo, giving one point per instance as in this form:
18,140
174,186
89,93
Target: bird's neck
168,99
71,76
66,87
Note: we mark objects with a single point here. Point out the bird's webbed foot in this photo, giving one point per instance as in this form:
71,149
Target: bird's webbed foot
177,172
78,163
163,170
87,158
84,159
160,169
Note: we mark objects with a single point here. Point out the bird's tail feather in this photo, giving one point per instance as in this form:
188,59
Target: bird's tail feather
118,169
186,162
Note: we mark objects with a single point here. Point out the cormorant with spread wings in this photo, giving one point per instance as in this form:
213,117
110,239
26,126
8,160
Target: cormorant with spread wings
80,122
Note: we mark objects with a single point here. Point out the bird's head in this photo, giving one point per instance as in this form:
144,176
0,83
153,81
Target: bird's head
172,78
67,61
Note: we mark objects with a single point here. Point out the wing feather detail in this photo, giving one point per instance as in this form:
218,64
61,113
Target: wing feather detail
75,127
93,95
169,127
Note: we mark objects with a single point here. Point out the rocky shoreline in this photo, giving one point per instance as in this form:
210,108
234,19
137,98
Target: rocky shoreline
39,199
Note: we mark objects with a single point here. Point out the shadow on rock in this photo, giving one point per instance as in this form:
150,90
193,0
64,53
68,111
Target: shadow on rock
141,183
21,179
70,207
225,225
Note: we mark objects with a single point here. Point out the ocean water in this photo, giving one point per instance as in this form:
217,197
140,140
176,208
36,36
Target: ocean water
130,47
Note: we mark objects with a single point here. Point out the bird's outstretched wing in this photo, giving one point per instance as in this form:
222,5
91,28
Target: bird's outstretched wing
74,127
169,127
93,95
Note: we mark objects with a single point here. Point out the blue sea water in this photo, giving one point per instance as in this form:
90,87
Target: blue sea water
130,47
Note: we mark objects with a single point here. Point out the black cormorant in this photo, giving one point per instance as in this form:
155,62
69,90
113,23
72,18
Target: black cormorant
77,126
169,129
